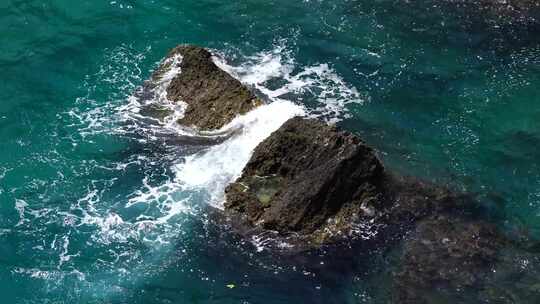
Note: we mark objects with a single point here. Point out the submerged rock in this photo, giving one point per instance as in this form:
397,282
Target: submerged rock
456,259
213,97
445,254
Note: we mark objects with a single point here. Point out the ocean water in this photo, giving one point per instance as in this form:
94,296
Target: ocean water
99,205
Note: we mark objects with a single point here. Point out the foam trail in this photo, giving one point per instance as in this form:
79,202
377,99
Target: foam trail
211,170
215,168
207,172
132,110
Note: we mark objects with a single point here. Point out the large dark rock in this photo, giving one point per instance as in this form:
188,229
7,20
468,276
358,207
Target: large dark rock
307,178
213,97
322,185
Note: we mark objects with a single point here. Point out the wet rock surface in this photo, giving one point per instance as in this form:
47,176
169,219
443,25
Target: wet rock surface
189,75
213,97
314,185
303,175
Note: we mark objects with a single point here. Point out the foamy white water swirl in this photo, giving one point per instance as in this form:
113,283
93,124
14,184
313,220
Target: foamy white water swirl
214,169
320,83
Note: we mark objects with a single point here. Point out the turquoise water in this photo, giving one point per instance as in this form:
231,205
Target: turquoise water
94,207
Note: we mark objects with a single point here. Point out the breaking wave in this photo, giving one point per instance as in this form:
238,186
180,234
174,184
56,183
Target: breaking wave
277,76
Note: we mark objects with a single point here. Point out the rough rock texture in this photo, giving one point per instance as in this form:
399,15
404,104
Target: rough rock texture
444,254
321,184
304,174
214,97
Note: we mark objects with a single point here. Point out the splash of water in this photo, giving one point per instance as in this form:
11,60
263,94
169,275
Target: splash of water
319,83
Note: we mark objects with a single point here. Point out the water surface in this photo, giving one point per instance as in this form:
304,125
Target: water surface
99,207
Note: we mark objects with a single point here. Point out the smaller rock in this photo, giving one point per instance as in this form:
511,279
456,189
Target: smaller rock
214,97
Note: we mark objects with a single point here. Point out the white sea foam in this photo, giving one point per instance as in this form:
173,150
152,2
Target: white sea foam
121,75
214,169
210,171
3,172
95,115
21,206
131,111
318,84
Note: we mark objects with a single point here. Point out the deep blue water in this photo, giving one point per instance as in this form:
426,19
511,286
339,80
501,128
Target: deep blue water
95,208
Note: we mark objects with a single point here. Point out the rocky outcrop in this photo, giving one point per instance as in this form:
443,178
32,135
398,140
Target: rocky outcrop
213,97
311,186
317,185
303,175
